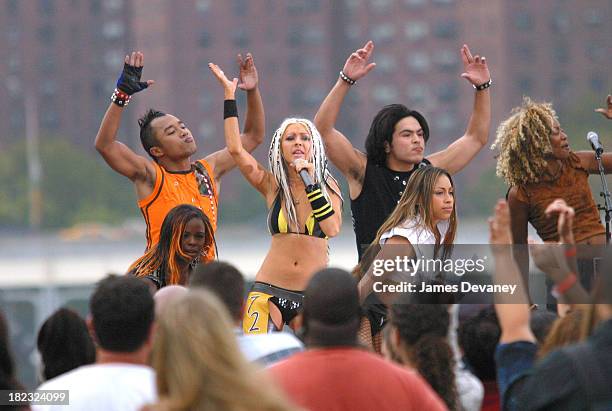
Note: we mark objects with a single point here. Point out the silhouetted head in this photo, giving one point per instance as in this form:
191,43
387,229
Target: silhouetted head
331,309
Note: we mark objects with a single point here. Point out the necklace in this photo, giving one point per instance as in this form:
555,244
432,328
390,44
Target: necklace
296,199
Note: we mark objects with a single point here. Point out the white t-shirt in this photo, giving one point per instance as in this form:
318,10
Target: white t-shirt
104,387
421,238
267,349
415,232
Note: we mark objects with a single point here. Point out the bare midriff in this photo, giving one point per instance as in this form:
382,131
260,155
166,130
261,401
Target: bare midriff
292,260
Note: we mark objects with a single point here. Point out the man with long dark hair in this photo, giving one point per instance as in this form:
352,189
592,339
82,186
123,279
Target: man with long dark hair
395,143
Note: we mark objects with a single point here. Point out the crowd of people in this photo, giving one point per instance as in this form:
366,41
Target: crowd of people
181,331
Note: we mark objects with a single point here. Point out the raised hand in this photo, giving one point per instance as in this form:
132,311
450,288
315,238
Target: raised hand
129,81
606,112
565,222
475,68
229,86
550,258
499,226
248,78
357,65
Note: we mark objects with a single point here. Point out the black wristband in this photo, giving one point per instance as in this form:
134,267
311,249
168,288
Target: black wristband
321,208
312,187
229,109
120,98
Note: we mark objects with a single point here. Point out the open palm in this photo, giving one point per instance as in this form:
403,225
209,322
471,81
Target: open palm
248,73
475,68
606,112
228,85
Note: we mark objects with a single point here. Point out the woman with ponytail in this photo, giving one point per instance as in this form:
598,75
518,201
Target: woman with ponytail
185,240
419,336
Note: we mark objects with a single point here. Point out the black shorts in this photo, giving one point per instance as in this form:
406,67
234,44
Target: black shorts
256,317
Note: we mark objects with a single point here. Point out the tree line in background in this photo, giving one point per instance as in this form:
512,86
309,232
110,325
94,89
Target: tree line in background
78,187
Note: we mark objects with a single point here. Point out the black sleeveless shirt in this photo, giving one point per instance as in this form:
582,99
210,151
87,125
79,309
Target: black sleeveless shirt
381,191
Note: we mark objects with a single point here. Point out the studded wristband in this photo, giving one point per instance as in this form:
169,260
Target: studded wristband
347,79
120,98
483,86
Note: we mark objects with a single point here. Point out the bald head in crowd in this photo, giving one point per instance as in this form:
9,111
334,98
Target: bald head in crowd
166,295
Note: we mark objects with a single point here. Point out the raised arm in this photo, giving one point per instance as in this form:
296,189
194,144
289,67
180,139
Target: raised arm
558,261
350,161
379,271
116,154
512,311
589,162
519,215
254,124
457,155
331,226
587,158
249,167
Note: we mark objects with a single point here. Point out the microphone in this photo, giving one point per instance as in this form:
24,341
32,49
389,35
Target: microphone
306,177
595,144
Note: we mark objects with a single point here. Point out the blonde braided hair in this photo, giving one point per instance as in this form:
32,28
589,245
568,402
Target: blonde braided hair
278,165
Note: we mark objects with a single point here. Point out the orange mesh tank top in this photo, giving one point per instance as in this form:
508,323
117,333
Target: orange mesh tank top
196,187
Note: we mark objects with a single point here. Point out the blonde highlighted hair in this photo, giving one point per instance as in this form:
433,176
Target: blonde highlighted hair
199,365
523,143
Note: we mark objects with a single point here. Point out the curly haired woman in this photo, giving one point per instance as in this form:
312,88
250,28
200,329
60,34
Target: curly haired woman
536,161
